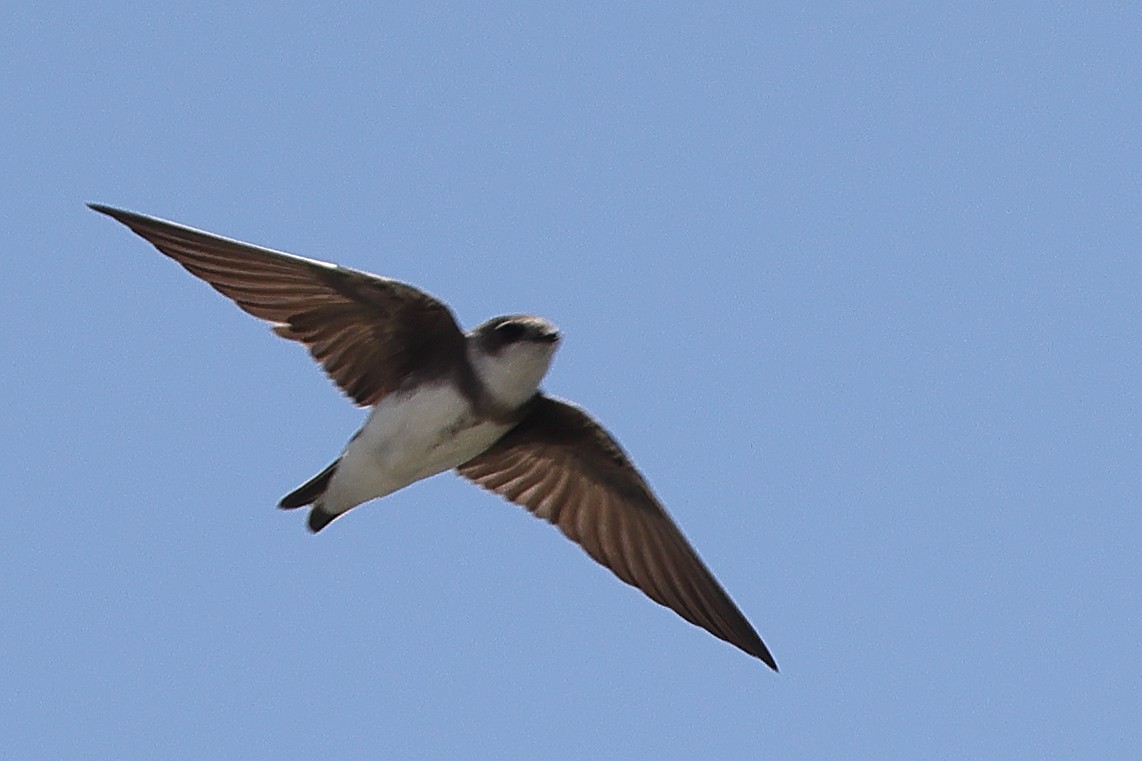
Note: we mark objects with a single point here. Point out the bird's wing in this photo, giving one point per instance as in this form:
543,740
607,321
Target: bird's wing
564,467
369,333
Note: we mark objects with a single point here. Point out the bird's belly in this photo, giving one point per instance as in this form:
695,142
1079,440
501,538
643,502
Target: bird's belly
406,438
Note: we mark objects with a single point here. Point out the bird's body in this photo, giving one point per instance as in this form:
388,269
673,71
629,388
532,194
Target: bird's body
406,438
442,399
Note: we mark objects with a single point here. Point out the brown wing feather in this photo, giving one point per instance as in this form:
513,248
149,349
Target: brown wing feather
369,333
565,468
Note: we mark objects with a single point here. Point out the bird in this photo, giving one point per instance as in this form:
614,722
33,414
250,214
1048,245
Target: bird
441,399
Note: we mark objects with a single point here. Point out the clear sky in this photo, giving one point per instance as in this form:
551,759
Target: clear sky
856,285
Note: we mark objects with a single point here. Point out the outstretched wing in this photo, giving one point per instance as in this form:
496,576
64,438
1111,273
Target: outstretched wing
369,333
565,468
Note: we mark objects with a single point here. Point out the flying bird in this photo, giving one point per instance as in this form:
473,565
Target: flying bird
442,399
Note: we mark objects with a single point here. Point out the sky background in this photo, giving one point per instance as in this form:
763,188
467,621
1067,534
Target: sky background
856,286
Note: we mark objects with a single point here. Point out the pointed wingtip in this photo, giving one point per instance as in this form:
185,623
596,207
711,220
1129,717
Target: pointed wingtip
758,650
117,214
761,652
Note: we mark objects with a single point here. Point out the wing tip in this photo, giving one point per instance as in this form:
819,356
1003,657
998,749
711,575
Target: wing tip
762,654
123,216
102,209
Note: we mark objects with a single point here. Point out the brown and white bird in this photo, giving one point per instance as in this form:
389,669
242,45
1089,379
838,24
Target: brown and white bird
443,399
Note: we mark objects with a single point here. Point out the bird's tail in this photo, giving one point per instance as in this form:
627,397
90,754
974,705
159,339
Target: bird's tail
311,490
310,493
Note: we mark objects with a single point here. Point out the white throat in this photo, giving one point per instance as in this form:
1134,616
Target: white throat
512,376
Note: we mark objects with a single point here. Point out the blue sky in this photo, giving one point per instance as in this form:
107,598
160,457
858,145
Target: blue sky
857,287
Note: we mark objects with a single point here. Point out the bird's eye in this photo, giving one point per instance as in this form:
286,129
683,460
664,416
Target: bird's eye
510,331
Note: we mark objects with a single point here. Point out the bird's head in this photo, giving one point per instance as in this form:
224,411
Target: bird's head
511,354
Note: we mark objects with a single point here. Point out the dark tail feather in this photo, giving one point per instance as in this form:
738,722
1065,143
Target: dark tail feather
309,491
319,519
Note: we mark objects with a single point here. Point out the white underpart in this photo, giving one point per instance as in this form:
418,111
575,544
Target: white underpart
413,435
512,376
408,436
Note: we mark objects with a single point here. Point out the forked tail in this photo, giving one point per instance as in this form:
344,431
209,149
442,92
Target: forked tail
308,492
